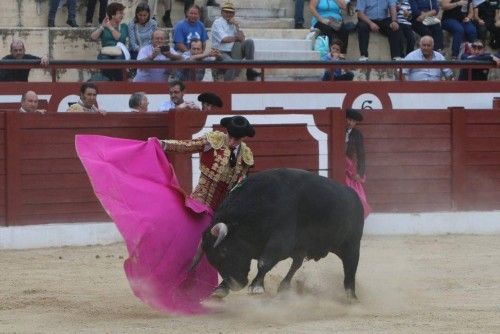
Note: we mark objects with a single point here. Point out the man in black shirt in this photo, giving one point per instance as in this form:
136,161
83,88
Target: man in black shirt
18,52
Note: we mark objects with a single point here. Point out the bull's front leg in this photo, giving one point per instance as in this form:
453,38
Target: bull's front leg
263,266
222,290
285,283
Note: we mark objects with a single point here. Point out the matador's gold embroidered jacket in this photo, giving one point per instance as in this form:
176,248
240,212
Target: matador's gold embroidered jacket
217,176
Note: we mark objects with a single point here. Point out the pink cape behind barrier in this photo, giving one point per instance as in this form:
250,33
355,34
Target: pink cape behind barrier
161,226
350,167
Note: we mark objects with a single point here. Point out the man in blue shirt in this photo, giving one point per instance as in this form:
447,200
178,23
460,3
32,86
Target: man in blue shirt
189,28
378,16
426,53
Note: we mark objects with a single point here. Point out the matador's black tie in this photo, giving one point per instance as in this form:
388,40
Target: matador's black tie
232,159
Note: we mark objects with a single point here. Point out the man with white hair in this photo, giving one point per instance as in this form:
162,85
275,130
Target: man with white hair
29,103
138,102
426,53
18,52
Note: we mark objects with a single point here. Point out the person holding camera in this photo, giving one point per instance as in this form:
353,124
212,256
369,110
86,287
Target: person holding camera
157,51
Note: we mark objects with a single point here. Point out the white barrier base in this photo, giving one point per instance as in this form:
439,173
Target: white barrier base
58,235
431,223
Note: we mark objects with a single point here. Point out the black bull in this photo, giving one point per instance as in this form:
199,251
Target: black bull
282,213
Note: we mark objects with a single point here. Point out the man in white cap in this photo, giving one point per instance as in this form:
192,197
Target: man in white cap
229,39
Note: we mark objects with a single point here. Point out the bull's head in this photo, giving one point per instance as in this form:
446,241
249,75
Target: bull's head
225,255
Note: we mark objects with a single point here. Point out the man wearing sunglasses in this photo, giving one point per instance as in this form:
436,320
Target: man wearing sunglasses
476,53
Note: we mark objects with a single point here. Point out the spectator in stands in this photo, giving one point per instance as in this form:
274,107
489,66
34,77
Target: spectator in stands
457,20
88,100
426,53
189,3
378,16
476,52
424,21
188,29
158,51
336,55
196,54
327,17
89,17
404,14
54,4
140,29
209,101
229,39
113,35
176,91
138,102
18,52
299,14
487,18
166,16
29,103
167,21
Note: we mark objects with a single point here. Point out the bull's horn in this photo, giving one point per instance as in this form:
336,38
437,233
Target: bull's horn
197,257
220,231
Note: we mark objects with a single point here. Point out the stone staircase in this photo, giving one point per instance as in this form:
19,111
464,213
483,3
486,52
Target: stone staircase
287,49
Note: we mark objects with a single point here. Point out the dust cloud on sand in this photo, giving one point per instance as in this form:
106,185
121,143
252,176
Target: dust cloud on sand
405,284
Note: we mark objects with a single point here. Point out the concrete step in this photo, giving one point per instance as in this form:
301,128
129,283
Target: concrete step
268,23
256,33
286,55
283,44
295,72
247,12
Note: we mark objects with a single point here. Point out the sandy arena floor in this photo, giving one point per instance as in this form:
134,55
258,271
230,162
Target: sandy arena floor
432,284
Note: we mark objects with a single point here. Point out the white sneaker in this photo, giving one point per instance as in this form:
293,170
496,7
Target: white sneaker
363,58
397,58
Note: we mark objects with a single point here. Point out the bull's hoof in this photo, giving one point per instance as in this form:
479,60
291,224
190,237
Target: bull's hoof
220,293
256,290
284,286
351,296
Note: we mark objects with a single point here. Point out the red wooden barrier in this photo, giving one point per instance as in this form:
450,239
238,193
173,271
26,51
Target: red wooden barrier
416,161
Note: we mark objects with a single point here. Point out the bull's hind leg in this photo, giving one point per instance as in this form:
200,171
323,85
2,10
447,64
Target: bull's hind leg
285,283
350,258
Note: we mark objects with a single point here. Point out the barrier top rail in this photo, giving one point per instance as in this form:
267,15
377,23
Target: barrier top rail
398,66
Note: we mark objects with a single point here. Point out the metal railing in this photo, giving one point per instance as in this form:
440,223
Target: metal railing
263,66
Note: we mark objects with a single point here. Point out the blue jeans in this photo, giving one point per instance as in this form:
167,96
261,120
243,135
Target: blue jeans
112,75
459,30
71,10
299,12
435,31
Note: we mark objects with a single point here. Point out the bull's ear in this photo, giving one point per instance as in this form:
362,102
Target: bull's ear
220,231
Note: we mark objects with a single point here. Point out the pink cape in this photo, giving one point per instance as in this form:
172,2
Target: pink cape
350,181
161,226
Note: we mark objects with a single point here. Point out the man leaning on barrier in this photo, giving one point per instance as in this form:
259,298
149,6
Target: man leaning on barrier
88,100
29,103
426,53
18,52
